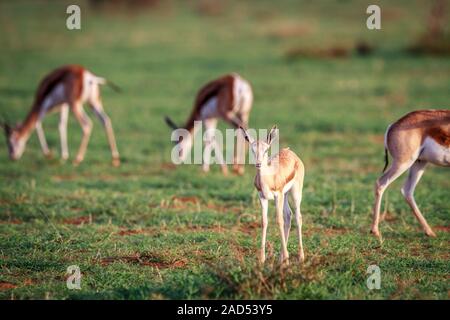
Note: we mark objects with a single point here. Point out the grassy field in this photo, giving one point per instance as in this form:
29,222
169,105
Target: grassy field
150,230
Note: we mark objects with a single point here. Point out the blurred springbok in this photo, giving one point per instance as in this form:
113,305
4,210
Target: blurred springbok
230,98
65,88
418,138
275,177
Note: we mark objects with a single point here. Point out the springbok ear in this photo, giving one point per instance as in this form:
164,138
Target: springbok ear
272,134
170,123
246,135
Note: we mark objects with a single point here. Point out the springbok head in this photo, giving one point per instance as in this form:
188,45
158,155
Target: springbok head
260,148
15,143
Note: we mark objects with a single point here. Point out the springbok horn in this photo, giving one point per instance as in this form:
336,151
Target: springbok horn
272,131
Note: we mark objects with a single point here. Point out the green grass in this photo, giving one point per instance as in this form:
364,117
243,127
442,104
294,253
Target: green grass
131,230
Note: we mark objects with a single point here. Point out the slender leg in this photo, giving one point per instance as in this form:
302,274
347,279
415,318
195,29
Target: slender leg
382,183
287,217
63,131
42,140
239,154
264,209
279,201
415,173
106,122
209,136
239,147
86,126
219,155
296,192
210,144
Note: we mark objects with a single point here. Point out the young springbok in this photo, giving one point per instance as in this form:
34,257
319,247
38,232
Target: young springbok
275,177
418,138
65,88
229,98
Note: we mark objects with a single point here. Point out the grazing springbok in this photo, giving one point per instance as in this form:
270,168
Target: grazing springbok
65,88
418,138
229,98
275,177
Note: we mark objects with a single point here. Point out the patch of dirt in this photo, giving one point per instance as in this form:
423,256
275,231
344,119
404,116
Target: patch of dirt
377,138
78,220
7,286
11,221
329,232
191,228
360,48
180,203
128,232
388,217
319,53
335,231
145,260
241,252
60,178
442,228
210,8
290,30
249,227
216,207
193,200
168,166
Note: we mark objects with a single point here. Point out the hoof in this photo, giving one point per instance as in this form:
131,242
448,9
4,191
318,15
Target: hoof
76,162
116,162
48,156
284,262
376,233
430,233
238,169
301,257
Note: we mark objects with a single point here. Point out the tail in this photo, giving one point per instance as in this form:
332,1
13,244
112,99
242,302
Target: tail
386,156
109,83
170,123
386,159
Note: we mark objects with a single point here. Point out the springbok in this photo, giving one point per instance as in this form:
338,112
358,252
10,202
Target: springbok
418,138
230,98
67,87
275,177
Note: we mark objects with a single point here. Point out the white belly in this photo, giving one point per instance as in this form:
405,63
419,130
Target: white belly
435,153
209,109
267,193
270,195
56,97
